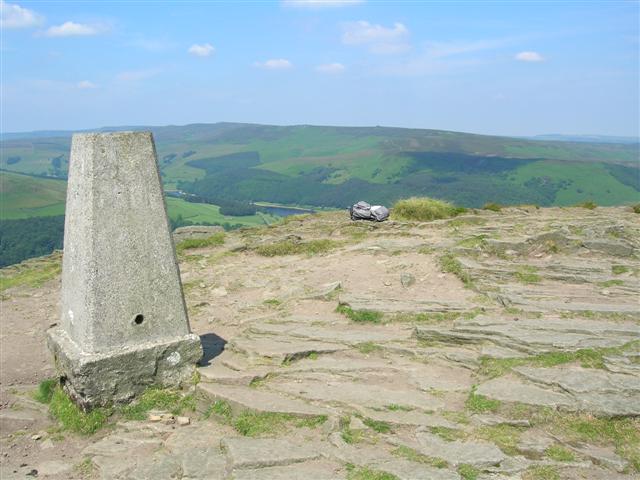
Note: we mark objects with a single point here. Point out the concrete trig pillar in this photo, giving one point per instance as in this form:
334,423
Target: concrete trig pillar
124,324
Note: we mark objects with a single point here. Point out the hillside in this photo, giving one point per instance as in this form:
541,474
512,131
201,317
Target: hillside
491,345
336,166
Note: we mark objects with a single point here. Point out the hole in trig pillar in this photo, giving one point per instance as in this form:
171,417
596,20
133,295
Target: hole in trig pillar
138,319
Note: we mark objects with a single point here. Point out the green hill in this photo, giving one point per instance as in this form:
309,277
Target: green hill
336,166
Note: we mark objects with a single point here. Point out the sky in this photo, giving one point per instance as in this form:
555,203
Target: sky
501,67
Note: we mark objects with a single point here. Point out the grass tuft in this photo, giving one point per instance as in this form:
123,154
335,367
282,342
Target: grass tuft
619,269
254,424
377,425
468,472
542,472
450,264
480,404
527,274
368,347
494,207
415,456
72,418
360,316
589,205
560,454
159,399
45,390
292,247
635,208
423,209
214,240
366,473
221,409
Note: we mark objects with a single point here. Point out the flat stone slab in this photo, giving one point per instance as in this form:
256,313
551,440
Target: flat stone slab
317,470
512,389
406,470
594,390
331,389
535,335
267,452
218,373
347,333
281,349
478,454
247,398
393,305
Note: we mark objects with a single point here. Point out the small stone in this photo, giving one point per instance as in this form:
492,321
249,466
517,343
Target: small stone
356,424
406,279
183,420
387,284
36,436
155,418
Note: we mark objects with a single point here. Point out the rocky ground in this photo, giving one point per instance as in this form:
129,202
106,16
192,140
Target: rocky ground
495,345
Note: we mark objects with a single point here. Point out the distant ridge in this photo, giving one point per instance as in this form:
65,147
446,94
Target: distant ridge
585,138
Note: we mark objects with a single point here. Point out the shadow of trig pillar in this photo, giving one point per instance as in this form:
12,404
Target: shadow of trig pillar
124,324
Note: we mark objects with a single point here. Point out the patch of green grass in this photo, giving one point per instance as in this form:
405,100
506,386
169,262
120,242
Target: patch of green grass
450,264
588,358
541,472
454,416
366,473
506,437
72,418
423,209
559,453
272,302
635,208
619,269
589,205
611,283
291,247
494,207
476,241
394,407
468,472
45,390
436,317
377,425
32,273
527,274
414,456
448,434
255,424
214,240
368,347
221,409
622,433
159,399
481,404
348,435
360,316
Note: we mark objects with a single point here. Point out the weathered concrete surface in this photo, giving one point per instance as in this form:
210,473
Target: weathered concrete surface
123,312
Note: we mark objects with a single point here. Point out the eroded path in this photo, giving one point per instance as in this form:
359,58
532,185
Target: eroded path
492,346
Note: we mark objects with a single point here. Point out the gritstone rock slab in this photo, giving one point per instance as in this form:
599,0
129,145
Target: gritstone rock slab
123,323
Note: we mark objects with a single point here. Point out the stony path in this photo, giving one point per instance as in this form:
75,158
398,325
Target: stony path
496,346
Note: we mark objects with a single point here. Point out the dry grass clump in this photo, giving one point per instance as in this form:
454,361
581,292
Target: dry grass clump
424,209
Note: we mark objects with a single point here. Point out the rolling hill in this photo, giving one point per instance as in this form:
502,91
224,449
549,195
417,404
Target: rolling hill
335,166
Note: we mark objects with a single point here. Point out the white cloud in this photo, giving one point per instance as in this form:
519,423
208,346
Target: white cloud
204,50
529,57
332,68
319,3
15,16
377,38
86,84
72,29
137,75
274,64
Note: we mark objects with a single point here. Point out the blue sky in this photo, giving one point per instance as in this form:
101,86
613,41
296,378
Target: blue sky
512,68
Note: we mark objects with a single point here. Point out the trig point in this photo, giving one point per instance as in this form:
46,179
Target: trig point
124,325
